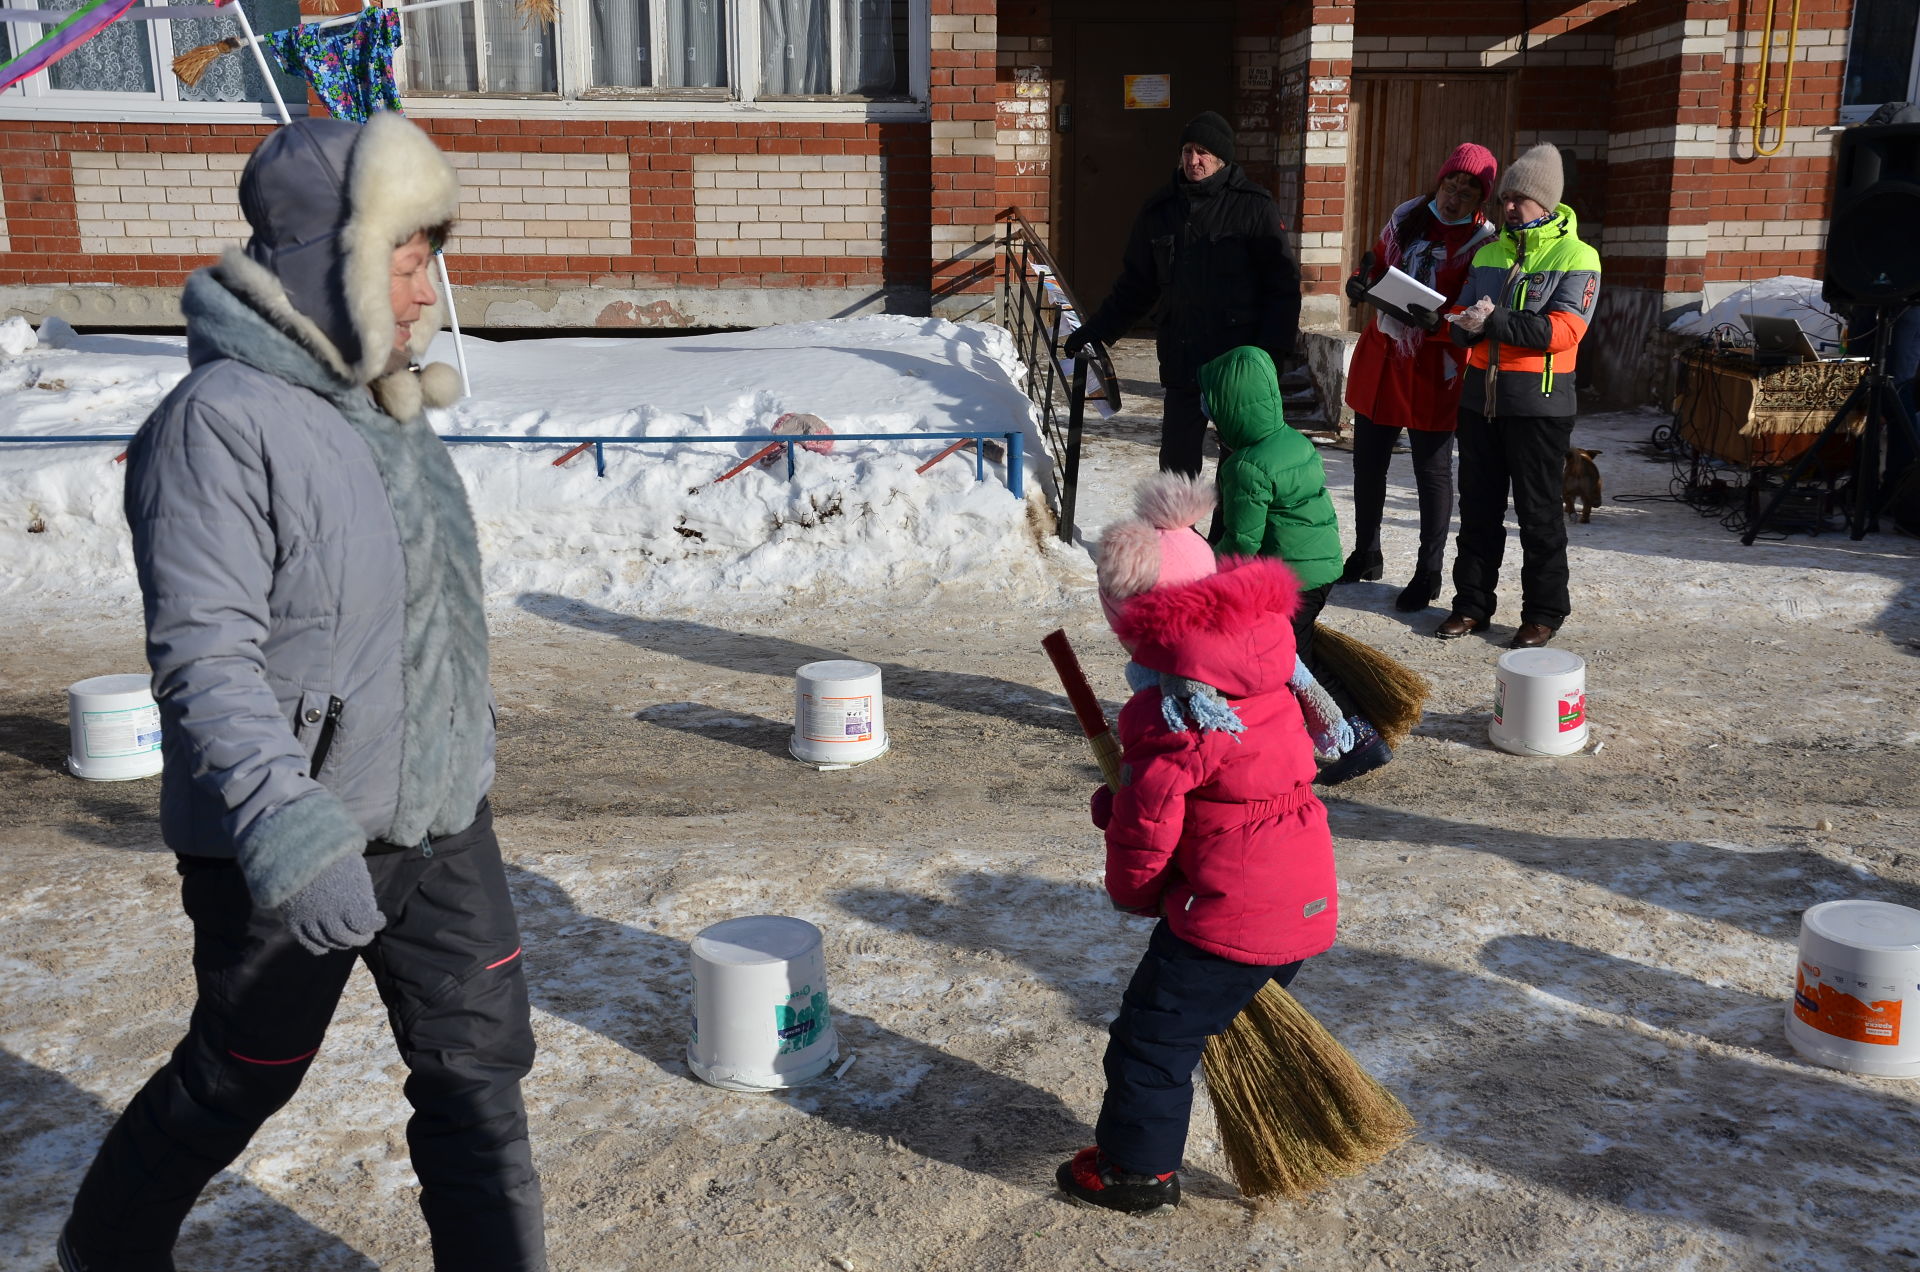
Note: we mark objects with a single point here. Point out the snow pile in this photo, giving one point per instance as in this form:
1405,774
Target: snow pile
16,337
1788,296
657,531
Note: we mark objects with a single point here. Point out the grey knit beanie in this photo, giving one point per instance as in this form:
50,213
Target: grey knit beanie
1539,175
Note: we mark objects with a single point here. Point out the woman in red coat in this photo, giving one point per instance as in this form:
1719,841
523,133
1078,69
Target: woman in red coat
1408,377
1215,829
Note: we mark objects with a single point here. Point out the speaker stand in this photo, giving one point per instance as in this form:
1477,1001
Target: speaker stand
1876,396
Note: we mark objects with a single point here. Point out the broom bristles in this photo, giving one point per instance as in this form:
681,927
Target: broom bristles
1388,692
190,66
542,11
1295,1109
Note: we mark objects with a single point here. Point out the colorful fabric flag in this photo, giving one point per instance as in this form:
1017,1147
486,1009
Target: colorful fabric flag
80,25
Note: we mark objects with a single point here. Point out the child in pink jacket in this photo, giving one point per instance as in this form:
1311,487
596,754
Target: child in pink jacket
1215,828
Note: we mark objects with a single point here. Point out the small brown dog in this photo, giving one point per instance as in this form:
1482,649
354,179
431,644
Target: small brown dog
1582,481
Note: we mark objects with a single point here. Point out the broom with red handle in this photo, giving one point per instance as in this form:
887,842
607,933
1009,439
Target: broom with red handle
1295,1109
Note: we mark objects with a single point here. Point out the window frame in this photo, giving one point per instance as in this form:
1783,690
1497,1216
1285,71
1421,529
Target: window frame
36,98
578,99
1859,113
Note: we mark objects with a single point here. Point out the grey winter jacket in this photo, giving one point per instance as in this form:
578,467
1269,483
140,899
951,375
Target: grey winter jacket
313,601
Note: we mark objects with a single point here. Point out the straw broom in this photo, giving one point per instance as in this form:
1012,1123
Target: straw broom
1295,1109
1388,692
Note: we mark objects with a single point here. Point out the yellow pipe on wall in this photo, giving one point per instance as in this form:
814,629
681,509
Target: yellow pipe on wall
1786,92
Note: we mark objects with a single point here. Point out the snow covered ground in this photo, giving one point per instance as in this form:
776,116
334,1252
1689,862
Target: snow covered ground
1573,971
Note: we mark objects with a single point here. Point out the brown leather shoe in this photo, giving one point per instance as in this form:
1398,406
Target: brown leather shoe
1530,636
1454,626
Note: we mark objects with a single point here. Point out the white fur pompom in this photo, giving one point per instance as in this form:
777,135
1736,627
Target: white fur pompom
1173,501
439,384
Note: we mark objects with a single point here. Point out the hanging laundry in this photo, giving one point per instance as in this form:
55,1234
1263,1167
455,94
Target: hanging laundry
351,69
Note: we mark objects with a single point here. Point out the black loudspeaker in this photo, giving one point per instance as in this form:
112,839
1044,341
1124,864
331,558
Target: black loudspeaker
1873,251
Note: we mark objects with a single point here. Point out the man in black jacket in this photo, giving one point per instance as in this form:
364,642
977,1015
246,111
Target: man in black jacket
1208,255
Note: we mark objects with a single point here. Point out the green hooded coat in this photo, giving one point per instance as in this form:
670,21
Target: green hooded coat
1273,489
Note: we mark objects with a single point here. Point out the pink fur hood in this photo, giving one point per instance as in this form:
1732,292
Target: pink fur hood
1232,630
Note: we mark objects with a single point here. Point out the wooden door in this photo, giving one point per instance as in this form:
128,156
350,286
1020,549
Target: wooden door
1118,149
1403,127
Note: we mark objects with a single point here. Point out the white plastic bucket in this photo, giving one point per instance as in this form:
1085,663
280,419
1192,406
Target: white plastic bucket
1539,702
760,1015
839,718
113,729
1856,994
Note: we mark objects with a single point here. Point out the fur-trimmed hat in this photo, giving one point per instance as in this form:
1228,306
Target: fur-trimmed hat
328,201
1157,547
1538,175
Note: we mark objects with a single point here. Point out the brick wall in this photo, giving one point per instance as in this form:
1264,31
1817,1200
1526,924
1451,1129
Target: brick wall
1026,93
964,149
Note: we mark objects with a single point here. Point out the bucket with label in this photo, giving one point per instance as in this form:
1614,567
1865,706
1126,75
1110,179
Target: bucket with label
839,719
760,1016
1539,702
113,729
1856,992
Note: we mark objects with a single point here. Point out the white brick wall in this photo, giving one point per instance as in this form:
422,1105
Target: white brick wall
534,204
542,205
1478,52
6,243
1766,236
787,205
157,204
1827,45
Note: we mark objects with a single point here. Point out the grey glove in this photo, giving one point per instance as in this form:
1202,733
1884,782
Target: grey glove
337,910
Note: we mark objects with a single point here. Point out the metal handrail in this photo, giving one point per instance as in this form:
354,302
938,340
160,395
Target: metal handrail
1015,442
1034,299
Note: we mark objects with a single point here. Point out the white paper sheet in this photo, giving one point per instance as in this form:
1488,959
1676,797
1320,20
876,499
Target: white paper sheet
1401,289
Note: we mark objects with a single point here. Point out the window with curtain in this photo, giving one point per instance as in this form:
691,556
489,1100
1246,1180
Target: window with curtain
133,58
1880,52
483,47
838,48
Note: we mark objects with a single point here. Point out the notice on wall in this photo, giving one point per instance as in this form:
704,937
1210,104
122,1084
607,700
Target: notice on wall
1149,92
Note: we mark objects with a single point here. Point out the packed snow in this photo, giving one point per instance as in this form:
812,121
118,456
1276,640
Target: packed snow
659,530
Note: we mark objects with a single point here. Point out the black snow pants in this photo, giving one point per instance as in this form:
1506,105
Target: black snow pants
1373,445
1525,456
448,968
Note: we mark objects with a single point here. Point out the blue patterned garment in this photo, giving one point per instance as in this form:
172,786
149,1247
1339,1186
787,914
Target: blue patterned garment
350,68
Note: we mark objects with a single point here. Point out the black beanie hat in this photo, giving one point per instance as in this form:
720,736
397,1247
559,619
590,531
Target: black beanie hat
1211,130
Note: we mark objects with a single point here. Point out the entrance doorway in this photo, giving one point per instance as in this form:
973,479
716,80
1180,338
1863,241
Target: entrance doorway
1134,75
1403,127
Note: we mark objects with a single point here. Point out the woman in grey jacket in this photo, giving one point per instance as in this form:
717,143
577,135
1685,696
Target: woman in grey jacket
311,580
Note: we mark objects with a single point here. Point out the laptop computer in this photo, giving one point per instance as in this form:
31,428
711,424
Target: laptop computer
1779,341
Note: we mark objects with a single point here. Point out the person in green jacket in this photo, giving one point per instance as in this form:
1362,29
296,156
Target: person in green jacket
1274,503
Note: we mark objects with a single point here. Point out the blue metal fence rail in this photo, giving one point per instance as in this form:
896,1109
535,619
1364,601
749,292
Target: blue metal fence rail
1015,443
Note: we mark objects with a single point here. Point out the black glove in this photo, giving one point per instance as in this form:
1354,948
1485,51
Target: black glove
1425,317
1073,344
1357,284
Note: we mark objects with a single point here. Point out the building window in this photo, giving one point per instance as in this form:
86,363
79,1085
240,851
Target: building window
1881,56
686,50
126,69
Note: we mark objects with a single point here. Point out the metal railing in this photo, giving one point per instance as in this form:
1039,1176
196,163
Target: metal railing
1015,443
1039,310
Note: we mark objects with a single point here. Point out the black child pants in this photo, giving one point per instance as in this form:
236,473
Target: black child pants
1179,997
1525,456
448,969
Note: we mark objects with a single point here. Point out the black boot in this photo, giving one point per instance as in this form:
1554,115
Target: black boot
1421,592
1092,1180
1362,567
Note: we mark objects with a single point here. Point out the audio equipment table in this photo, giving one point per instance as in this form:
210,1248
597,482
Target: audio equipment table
1763,416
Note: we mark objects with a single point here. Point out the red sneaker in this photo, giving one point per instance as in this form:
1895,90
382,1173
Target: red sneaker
1090,1179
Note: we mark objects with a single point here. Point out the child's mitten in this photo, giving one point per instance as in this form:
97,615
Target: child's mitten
1101,808
1332,735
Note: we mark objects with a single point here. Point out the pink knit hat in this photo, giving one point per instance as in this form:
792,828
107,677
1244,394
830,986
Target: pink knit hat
1158,546
1476,161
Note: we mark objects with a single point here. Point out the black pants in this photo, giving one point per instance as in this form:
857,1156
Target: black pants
1183,432
1432,476
1525,456
448,969
1179,997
